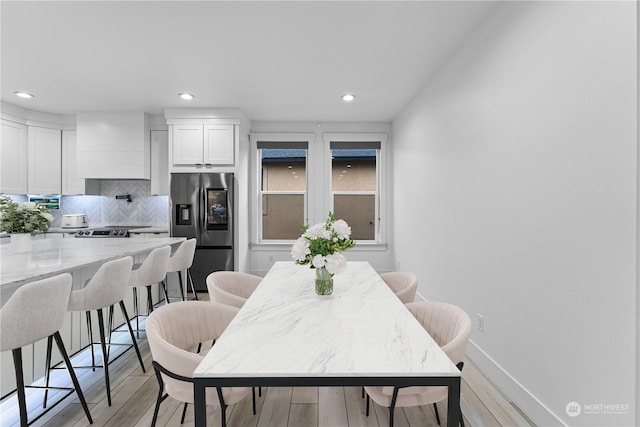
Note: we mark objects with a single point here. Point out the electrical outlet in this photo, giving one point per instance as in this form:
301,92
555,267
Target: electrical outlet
480,322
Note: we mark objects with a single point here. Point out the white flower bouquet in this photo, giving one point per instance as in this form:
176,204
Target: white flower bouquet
320,247
26,217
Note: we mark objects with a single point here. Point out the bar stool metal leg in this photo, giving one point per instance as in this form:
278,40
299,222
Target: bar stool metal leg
105,355
190,279
72,374
135,344
47,373
22,401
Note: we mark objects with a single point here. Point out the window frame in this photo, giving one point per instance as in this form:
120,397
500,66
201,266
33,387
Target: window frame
281,139
380,235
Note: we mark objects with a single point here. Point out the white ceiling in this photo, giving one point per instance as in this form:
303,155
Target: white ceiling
274,60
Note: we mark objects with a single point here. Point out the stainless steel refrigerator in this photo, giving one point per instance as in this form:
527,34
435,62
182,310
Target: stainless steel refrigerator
202,208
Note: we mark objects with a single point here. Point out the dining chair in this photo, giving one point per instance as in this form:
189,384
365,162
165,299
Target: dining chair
36,311
231,287
403,284
180,262
106,288
450,327
174,329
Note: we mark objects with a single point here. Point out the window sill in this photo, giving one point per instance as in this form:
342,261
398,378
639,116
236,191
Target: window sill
286,246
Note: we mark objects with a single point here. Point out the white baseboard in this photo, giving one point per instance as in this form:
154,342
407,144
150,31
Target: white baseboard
512,389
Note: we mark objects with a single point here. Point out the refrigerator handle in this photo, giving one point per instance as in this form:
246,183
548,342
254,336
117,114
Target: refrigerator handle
203,209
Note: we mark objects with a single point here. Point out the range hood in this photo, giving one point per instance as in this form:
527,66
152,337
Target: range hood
113,145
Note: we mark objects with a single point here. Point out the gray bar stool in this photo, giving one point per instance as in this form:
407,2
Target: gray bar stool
180,262
152,270
106,288
36,311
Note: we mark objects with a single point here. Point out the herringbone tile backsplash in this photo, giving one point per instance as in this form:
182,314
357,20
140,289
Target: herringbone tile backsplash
144,209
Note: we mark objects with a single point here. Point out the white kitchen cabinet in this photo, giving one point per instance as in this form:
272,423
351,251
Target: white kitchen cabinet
203,145
159,162
45,160
218,144
71,183
13,158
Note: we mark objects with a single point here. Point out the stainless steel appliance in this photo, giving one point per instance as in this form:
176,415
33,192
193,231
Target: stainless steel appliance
109,231
202,208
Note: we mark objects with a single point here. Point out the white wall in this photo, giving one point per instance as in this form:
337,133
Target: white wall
525,145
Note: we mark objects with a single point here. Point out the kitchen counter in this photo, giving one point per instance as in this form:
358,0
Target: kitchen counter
55,256
81,258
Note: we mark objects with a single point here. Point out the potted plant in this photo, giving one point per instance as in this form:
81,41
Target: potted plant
22,220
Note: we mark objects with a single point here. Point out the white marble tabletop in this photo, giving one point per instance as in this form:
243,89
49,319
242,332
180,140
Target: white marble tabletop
286,330
54,256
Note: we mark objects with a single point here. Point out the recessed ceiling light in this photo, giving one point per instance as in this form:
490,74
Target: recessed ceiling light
24,95
348,97
186,96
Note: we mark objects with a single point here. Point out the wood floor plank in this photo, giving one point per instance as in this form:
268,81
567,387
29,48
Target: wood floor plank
102,413
356,409
475,410
399,417
242,415
275,410
497,404
130,413
303,415
305,395
332,410
421,416
167,410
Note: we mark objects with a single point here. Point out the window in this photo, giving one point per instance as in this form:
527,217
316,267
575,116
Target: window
283,189
354,186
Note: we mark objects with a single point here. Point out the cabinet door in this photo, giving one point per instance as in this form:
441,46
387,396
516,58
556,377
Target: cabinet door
187,144
13,158
159,162
218,144
45,160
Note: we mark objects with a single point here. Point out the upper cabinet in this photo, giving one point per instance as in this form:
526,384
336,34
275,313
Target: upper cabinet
159,163
202,140
13,158
45,160
114,145
219,144
203,145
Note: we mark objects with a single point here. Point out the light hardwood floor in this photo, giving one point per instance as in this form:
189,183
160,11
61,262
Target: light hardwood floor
134,394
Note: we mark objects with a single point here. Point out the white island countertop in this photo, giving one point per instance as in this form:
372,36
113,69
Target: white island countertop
55,256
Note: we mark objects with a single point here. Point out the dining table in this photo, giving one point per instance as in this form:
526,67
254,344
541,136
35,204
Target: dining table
287,336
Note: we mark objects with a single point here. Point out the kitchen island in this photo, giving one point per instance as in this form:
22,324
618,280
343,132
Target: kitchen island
81,258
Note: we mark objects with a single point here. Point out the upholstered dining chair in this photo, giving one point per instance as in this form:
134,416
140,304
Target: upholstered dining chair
180,262
403,284
106,288
36,311
173,330
450,327
231,287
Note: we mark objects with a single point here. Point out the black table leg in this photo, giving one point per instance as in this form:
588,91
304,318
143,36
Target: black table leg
453,403
199,405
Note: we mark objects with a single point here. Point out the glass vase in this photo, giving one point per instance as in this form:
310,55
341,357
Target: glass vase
324,281
20,242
